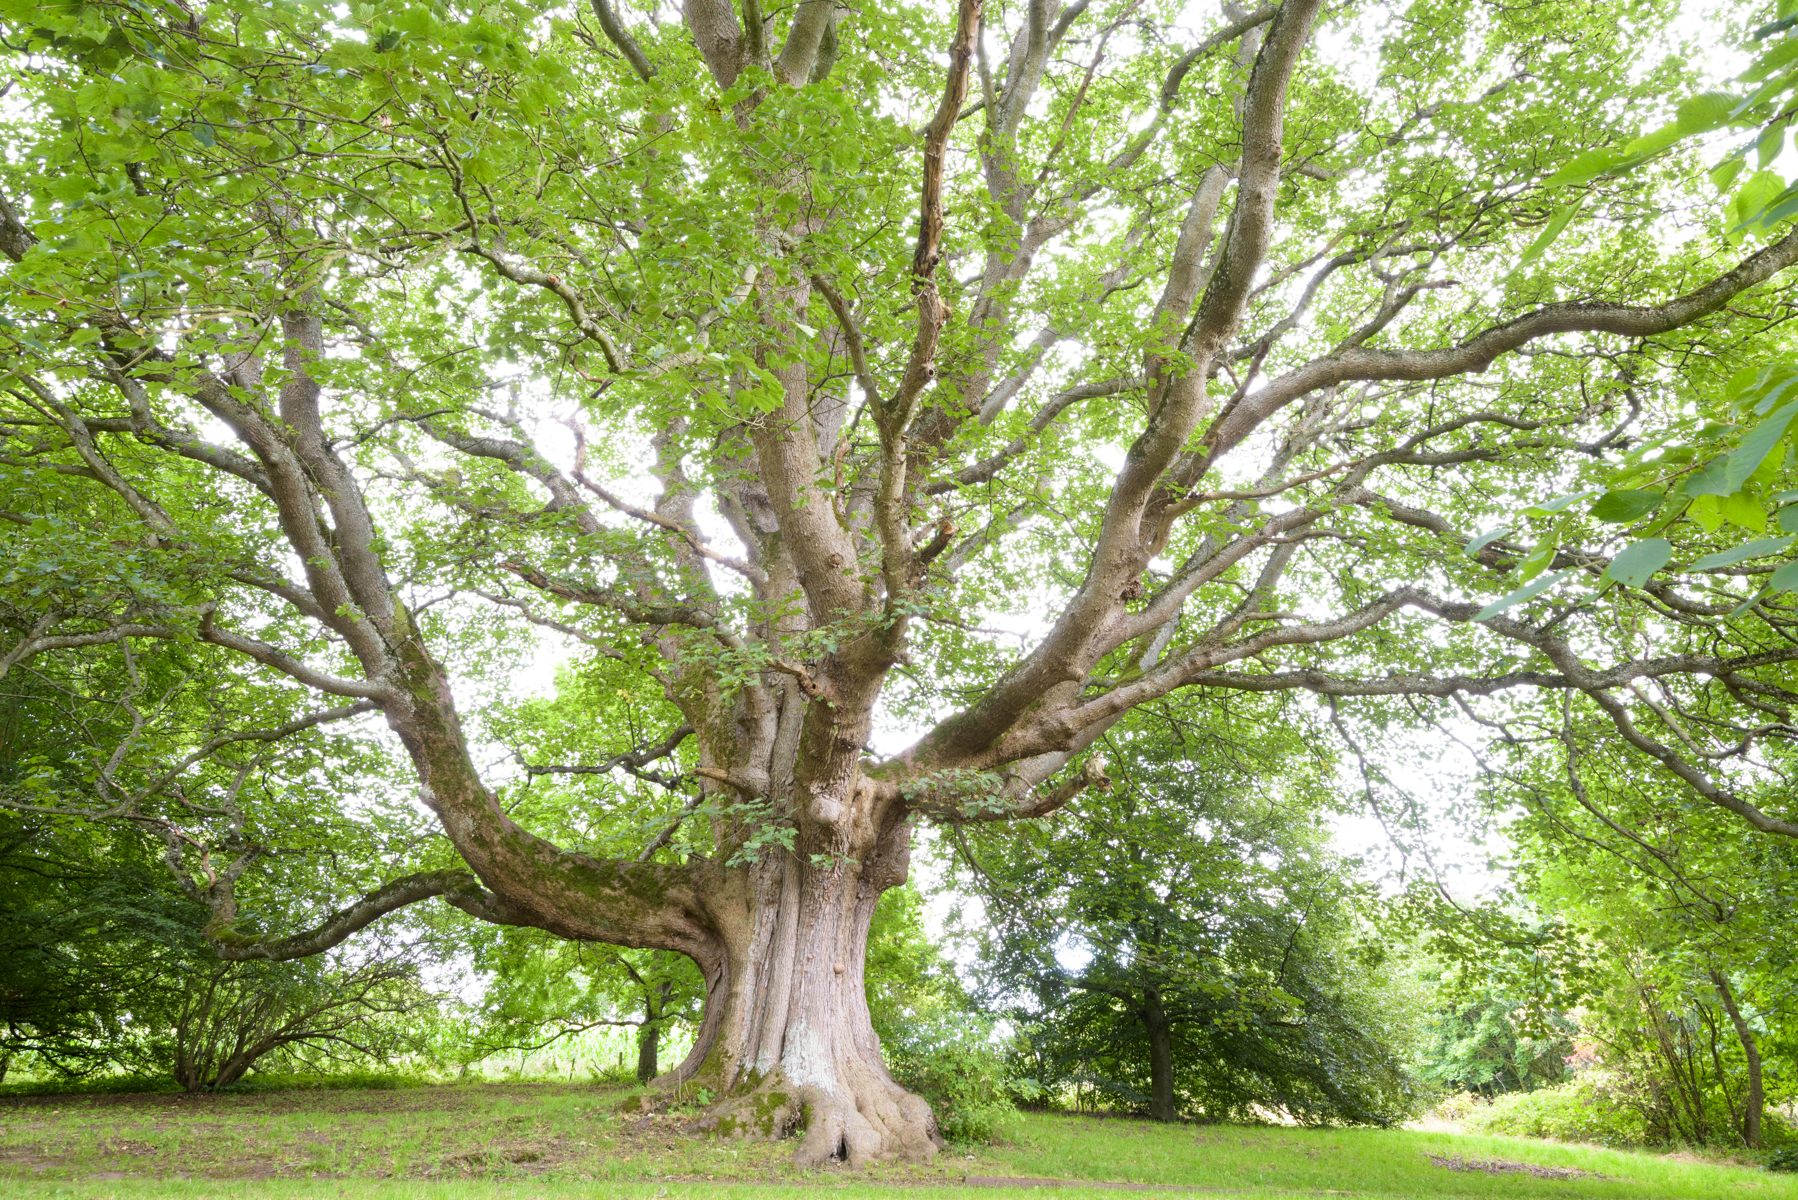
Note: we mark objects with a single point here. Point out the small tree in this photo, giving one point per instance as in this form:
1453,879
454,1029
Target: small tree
541,990
233,1017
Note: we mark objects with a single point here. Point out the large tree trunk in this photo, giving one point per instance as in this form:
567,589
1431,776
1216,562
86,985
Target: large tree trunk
786,1043
1161,1058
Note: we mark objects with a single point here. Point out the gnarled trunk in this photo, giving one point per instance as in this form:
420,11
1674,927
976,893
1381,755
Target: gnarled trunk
786,1043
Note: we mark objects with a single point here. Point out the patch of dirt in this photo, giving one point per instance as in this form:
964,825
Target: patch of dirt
30,1158
1031,1181
506,1157
1495,1166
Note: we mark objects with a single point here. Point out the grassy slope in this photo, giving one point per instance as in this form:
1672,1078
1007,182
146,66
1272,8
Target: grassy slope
497,1141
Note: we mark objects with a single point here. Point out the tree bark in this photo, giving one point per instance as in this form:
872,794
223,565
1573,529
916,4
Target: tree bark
1161,1058
648,1040
649,1036
786,1042
1755,1102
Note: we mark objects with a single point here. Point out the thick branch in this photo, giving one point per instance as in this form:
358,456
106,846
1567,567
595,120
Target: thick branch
352,918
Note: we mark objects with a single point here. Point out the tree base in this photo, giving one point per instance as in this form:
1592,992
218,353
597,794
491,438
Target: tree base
858,1119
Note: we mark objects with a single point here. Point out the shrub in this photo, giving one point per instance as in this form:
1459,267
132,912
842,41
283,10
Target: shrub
1778,1133
1785,1159
1580,1110
1459,1106
954,1062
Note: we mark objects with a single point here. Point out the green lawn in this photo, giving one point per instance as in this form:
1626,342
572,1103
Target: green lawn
513,1142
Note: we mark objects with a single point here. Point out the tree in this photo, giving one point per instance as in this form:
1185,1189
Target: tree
1679,916
90,939
1473,1042
780,358
232,1017
543,989
1186,943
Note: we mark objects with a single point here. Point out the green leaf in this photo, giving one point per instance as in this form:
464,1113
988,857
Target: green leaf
1785,579
1651,144
1636,562
1747,604
1556,224
1559,503
1626,505
1781,383
1712,479
1584,168
1486,539
1784,209
1743,511
1704,112
1788,519
1771,141
1756,196
1528,592
1705,511
1747,550
1537,560
1746,459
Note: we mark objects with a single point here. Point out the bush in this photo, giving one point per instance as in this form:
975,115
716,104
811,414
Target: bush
1580,1110
954,1062
1460,1106
1783,1160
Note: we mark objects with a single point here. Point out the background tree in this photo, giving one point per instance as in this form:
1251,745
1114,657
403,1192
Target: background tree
229,1018
1652,929
90,936
781,359
1478,1039
542,989
1187,943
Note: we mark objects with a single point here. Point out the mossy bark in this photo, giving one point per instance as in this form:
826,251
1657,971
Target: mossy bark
787,1045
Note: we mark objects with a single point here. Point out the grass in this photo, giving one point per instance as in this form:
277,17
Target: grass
546,1141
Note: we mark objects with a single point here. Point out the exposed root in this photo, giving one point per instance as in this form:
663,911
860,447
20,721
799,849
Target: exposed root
856,1120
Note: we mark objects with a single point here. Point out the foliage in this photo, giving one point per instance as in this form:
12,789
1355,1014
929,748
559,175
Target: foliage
539,990
911,982
1474,1044
108,963
956,1061
1586,1108
236,1017
1186,941
1657,926
776,372
1726,469
91,941
936,1040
